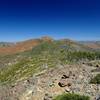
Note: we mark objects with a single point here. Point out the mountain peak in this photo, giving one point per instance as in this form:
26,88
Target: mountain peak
47,38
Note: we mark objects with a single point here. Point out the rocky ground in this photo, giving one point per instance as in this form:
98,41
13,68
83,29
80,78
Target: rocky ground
49,83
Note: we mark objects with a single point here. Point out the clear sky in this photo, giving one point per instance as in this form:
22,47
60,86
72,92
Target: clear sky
25,19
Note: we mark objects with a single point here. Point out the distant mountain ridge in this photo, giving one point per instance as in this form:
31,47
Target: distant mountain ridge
12,48
91,44
6,44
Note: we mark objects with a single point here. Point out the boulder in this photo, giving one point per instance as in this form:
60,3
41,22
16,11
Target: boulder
65,76
97,65
67,89
98,97
47,97
64,83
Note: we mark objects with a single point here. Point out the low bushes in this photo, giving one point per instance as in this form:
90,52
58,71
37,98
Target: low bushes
96,79
71,97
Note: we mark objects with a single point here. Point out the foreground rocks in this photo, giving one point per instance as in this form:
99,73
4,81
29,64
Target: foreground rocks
46,85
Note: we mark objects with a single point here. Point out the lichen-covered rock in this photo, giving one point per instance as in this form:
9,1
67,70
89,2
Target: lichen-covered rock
98,97
47,97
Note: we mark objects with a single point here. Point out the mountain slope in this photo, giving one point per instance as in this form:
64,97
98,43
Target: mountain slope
92,44
19,47
43,56
13,48
37,69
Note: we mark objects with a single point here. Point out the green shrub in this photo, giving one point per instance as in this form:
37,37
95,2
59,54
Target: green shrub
71,97
96,79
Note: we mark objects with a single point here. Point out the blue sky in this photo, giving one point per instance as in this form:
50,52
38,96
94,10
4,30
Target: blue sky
25,19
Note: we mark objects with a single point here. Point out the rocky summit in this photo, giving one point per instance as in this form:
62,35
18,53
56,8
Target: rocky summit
48,69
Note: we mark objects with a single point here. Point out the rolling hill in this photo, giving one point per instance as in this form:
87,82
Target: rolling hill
13,48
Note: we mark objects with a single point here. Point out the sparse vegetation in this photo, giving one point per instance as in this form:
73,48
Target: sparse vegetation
18,70
96,79
71,97
43,56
